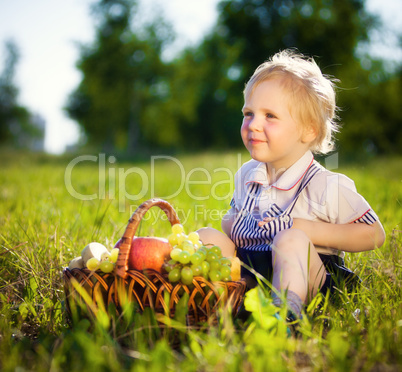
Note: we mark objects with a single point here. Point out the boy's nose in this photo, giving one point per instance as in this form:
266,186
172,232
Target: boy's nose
255,124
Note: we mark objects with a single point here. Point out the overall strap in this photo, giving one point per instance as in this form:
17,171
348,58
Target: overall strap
310,173
245,230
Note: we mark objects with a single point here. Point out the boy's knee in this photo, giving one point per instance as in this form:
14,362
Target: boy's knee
290,239
210,236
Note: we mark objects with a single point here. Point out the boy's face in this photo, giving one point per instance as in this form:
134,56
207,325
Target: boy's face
269,131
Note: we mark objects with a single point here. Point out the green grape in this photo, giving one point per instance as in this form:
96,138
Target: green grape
181,238
169,266
215,275
184,257
225,271
188,246
211,256
196,258
194,237
175,253
177,228
173,239
227,278
202,252
203,248
216,250
225,261
205,269
174,276
186,275
93,264
215,265
106,266
114,254
197,270
105,256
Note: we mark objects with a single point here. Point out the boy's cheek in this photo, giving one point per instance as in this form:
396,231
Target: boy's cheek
244,134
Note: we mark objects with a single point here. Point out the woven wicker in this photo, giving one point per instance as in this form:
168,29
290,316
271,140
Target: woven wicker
148,288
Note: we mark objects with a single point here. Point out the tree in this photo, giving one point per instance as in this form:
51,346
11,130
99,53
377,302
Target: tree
123,76
18,127
201,96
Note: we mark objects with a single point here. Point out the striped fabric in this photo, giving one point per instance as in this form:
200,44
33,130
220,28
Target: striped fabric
368,218
247,234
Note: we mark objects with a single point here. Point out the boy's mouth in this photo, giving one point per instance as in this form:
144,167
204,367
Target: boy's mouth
255,141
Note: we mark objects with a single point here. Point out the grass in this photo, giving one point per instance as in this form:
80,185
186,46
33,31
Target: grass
45,223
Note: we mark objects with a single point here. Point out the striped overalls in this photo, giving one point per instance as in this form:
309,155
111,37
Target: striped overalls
253,242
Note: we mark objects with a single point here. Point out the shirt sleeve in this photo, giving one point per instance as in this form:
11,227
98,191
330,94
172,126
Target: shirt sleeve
240,186
340,202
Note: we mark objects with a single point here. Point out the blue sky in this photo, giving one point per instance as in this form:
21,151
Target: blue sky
46,32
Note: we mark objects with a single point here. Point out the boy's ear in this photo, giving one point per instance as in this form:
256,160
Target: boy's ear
309,133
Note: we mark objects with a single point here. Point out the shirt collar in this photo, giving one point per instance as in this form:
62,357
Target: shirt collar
289,179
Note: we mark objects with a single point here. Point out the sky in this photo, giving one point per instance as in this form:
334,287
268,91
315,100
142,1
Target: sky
47,32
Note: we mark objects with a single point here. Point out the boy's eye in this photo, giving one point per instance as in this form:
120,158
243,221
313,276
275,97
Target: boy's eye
270,116
247,114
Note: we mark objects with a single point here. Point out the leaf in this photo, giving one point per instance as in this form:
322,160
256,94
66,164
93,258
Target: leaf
262,309
182,309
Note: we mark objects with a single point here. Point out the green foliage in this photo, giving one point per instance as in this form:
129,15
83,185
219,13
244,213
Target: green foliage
130,99
329,30
123,79
370,114
17,125
336,34
44,227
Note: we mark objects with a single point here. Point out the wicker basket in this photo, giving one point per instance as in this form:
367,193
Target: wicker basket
148,288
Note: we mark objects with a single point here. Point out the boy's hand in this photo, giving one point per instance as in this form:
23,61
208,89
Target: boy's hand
265,220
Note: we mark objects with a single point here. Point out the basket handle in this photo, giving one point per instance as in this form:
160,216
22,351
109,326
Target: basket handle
133,222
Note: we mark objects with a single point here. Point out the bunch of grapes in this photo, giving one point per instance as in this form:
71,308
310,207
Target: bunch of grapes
106,263
189,258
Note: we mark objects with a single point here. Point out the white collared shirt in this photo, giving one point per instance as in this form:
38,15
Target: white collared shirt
329,197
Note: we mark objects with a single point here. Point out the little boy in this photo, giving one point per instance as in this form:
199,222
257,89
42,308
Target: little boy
291,219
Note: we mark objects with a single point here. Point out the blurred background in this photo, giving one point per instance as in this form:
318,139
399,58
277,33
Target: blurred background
137,77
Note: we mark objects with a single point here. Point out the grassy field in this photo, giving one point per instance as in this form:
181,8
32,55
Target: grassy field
51,207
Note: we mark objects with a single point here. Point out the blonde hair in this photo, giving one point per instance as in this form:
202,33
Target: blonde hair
312,94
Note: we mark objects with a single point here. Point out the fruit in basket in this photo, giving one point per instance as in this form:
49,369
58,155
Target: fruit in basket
106,266
114,254
148,253
177,228
184,257
225,271
235,272
194,237
93,249
189,258
214,275
105,257
93,264
174,275
76,263
187,275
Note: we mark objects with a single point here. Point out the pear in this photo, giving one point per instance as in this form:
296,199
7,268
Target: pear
93,249
76,263
235,269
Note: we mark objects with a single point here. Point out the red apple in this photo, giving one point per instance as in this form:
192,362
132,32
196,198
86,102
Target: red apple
148,253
